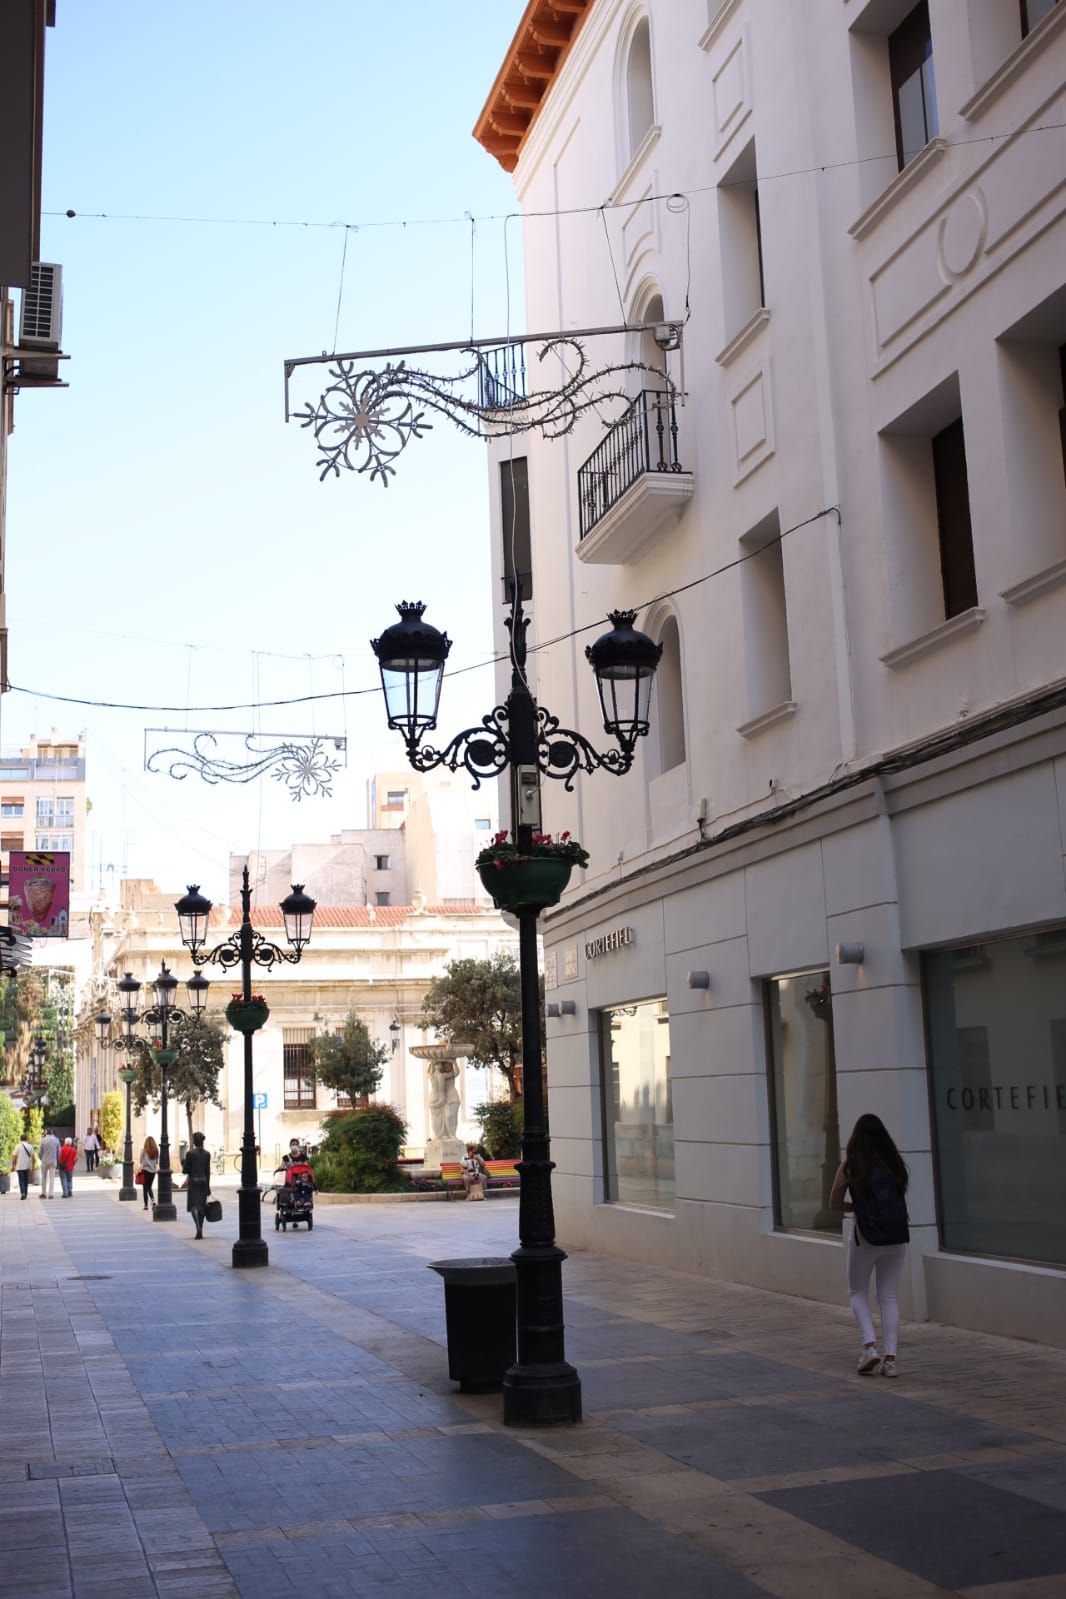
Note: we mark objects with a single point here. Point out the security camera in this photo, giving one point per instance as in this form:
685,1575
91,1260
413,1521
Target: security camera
667,335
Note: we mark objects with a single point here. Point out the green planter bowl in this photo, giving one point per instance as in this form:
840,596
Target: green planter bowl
526,885
245,1018
165,1057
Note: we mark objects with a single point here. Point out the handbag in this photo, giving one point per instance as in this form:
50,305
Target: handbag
139,1178
213,1210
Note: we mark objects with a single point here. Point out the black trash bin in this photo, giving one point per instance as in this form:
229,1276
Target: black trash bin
479,1304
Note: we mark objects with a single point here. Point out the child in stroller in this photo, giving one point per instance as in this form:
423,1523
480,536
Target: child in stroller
295,1190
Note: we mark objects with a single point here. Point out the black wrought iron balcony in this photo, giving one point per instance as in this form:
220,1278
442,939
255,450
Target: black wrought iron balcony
643,442
501,378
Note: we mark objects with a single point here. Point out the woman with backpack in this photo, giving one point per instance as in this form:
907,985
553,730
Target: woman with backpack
874,1174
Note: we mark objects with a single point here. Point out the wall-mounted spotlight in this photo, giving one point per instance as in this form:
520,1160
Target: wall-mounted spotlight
851,954
561,1007
698,979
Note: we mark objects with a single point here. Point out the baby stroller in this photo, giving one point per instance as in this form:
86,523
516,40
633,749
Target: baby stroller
295,1198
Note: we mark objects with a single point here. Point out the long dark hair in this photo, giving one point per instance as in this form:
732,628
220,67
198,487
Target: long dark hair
871,1144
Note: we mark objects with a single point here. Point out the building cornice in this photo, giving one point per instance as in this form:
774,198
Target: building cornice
540,46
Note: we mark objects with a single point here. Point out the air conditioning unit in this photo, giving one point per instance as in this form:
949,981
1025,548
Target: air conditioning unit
41,320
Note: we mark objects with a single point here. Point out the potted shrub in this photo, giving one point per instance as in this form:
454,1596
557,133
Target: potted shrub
247,1015
529,879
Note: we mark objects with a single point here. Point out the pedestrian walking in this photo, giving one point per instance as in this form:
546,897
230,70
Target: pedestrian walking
874,1173
23,1164
149,1167
49,1157
68,1159
91,1145
197,1169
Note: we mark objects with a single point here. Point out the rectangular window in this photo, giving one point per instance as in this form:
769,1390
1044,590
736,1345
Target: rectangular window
806,1132
517,564
13,808
395,799
383,897
1034,11
9,841
299,1069
953,519
381,863
997,1054
762,585
64,812
910,65
46,812
740,243
482,824
54,841
637,1105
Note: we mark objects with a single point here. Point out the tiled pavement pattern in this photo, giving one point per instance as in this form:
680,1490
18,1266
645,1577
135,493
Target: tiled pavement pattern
173,1428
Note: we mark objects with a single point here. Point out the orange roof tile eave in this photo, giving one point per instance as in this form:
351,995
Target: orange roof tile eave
539,14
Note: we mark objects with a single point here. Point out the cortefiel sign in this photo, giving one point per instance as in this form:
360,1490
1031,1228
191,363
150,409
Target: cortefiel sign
608,942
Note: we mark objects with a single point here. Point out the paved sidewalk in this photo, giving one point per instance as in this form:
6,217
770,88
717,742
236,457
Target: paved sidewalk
174,1428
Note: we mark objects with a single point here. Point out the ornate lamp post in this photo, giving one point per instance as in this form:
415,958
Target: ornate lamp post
246,948
525,739
34,1089
164,1015
126,1075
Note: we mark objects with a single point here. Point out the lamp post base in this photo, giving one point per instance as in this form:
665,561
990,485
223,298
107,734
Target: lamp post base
250,1252
164,1212
541,1396
127,1193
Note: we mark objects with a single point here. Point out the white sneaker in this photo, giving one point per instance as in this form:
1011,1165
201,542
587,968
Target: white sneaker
869,1361
888,1366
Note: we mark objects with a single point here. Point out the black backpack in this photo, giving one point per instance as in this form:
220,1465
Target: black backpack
881,1210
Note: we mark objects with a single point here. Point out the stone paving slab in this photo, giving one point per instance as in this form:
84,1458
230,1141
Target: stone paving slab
188,1432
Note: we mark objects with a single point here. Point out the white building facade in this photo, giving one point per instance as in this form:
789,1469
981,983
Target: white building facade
834,880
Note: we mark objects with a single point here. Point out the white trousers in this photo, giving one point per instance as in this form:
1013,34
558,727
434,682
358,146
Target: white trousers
48,1177
887,1261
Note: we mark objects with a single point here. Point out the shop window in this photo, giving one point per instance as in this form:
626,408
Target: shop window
299,1070
740,243
640,98
1034,11
997,1055
637,1106
910,65
806,1131
517,563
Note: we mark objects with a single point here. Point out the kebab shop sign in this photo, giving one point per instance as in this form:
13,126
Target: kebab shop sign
39,893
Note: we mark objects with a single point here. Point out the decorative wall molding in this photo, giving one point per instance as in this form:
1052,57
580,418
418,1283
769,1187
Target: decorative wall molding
636,161
720,15
1016,63
1031,588
937,637
747,335
759,724
902,184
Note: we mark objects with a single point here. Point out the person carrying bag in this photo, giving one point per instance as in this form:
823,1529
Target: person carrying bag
24,1165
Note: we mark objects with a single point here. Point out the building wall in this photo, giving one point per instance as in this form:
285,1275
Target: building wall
892,302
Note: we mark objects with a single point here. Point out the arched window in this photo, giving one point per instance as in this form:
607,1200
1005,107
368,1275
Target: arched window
641,100
670,699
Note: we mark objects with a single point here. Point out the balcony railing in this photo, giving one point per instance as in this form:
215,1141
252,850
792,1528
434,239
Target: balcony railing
643,440
502,376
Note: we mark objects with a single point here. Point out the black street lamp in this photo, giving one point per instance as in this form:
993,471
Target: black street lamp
35,1086
246,948
164,1015
525,739
126,1075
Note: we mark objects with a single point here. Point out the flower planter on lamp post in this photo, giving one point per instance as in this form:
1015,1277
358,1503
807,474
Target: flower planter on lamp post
246,948
526,741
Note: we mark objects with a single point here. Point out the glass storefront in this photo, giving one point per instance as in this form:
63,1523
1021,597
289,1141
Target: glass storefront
637,1108
804,1100
996,1019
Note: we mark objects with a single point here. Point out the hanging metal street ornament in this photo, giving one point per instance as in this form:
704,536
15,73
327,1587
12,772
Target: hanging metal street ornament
301,761
365,418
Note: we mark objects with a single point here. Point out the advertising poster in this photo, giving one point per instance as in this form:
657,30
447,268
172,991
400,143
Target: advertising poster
39,893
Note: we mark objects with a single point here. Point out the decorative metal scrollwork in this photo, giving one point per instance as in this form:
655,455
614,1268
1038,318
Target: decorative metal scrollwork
261,953
485,751
301,761
365,419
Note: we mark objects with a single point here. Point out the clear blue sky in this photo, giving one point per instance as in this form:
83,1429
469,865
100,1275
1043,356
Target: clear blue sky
168,539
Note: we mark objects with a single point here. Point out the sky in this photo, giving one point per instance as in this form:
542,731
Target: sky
169,540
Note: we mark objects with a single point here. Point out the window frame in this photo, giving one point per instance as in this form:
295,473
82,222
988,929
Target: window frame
954,520
299,1100
771,1100
910,47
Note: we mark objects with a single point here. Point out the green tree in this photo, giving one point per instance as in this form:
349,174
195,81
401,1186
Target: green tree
478,1004
112,1120
194,1076
501,1128
350,1062
34,1124
359,1153
10,1130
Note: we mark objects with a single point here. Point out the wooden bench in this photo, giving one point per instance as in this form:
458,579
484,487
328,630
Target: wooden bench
502,1175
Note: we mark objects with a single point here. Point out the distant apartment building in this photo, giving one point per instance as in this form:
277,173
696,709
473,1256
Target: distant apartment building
43,801
833,882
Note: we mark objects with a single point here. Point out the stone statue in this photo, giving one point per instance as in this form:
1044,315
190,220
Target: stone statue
443,1099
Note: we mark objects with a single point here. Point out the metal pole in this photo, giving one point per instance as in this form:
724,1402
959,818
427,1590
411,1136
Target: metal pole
250,1248
129,1187
164,1208
541,1387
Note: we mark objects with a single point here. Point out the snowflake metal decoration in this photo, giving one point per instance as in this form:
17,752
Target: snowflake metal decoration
300,761
365,418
